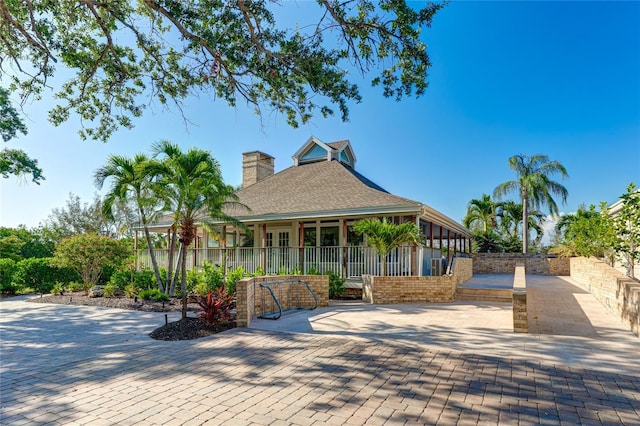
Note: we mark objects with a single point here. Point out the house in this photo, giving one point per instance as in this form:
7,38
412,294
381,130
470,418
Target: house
301,219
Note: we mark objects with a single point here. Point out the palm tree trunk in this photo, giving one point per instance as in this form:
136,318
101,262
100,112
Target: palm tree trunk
384,264
184,282
152,254
170,254
174,280
525,224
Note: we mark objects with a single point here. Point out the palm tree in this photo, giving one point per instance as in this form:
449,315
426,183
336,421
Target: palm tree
129,180
534,186
481,214
385,236
511,214
196,192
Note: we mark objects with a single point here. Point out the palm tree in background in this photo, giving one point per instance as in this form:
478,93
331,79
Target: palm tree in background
385,236
534,186
510,214
481,214
129,181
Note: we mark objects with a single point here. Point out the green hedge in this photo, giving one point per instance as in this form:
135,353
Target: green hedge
41,274
7,269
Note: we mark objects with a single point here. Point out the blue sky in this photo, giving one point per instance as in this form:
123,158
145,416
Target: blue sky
561,79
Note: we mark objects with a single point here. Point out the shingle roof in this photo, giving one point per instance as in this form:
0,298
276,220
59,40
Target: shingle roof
338,144
321,186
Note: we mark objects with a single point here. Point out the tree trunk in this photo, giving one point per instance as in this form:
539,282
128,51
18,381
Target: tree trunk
172,284
170,254
525,224
152,254
184,282
384,264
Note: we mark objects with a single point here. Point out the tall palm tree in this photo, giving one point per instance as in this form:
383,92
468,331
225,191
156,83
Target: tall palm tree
196,192
385,236
481,214
130,181
534,186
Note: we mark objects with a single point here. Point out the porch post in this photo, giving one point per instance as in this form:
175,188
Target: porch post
414,251
430,242
301,246
224,250
195,248
345,231
263,260
448,245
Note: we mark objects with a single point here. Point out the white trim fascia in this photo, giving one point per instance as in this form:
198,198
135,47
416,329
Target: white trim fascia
415,209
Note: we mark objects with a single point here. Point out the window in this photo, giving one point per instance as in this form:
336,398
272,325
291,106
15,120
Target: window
310,237
269,239
329,236
353,239
283,239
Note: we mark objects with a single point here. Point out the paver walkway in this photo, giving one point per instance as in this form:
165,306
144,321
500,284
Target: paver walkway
82,365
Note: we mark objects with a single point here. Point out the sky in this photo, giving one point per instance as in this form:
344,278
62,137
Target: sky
555,78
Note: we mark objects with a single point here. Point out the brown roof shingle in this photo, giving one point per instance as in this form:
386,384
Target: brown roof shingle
321,186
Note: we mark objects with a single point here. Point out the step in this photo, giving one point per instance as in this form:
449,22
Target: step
484,294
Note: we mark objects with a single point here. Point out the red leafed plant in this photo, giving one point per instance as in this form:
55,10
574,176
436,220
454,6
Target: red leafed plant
216,306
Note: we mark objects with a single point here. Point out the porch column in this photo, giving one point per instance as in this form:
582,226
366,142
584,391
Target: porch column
414,251
263,245
448,246
301,246
343,243
430,242
135,241
195,248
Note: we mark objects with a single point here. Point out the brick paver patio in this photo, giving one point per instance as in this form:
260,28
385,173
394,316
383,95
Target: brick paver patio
82,365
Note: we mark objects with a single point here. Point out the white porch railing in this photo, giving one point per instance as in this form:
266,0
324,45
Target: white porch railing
351,261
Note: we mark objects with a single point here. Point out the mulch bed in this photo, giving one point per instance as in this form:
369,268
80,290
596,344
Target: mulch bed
183,329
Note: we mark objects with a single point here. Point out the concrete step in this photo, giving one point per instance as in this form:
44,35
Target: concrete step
484,294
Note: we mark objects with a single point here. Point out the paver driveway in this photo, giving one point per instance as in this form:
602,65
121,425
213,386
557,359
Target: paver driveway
351,365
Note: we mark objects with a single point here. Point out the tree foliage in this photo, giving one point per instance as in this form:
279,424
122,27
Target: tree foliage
90,254
33,243
481,214
124,54
194,191
626,224
534,186
14,162
77,218
385,236
131,183
589,232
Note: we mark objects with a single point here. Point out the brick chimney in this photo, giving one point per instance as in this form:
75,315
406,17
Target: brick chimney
256,166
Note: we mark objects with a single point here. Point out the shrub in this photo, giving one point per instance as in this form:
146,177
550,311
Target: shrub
58,288
130,290
143,279
233,277
110,290
259,272
90,255
7,269
213,276
41,274
75,286
336,284
148,294
216,306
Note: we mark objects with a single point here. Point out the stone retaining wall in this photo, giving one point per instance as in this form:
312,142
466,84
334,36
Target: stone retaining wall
387,290
520,318
249,295
505,263
617,292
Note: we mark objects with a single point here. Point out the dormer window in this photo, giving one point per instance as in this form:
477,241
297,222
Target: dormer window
315,150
